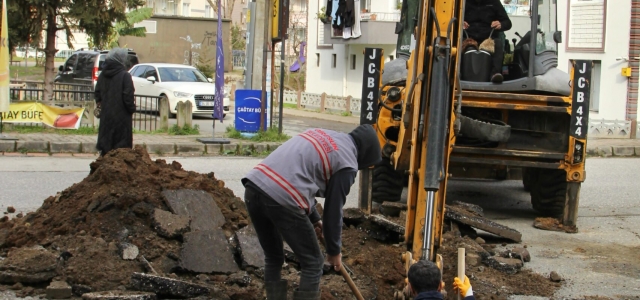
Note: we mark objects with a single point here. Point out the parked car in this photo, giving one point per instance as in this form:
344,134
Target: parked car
176,83
84,66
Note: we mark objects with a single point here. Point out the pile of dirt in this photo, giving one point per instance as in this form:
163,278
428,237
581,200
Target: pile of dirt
79,233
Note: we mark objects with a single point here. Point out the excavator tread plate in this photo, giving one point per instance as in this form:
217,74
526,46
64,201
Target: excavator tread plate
465,217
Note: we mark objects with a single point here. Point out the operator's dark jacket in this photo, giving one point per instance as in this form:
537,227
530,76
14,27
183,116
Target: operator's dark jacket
114,91
480,13
435,295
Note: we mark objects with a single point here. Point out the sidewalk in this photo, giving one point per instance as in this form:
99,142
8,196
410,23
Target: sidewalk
44,144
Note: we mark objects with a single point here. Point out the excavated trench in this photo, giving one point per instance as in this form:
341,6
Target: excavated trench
185,235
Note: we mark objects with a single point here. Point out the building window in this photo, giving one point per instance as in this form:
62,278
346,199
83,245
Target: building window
317,59
353,61
185,10
334,58
207,11
586,25
303,5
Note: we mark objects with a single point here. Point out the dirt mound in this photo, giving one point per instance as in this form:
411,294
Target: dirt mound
83,228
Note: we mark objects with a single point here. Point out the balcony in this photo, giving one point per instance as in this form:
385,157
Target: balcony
376,29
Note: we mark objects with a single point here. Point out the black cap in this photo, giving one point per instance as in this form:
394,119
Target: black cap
368,146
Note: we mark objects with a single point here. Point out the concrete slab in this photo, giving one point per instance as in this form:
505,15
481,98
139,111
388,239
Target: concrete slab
460,215
190,148
32,146
259,148
65,147
214,148
28,265
161,148
7,146
167,287
230,149
249,247
207,252
198,205
88,147
58,290
119,295
170,225
623,150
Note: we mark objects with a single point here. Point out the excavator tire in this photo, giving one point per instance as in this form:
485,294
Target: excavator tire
548,192
529,178
387,183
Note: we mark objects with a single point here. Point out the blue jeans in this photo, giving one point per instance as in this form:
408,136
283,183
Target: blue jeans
273,223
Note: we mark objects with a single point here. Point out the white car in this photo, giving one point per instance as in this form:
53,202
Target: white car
176,83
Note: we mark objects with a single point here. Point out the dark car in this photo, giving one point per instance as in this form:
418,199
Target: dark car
84,66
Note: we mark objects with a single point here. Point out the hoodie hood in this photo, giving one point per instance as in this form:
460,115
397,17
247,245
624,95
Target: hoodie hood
367,145
116,62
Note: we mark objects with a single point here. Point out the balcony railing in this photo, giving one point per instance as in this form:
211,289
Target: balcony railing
381,16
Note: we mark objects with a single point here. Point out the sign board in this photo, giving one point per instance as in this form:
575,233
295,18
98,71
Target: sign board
279,19
580,99
371,85
247,111
35,112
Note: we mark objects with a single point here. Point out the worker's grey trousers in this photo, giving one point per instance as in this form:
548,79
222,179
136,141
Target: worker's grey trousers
273,223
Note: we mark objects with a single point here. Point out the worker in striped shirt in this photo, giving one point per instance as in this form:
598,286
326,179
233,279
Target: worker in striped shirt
280,197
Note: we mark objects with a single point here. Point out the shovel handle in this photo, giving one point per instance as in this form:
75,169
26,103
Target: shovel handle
352,285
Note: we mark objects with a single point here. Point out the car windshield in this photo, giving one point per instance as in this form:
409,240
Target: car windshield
181,75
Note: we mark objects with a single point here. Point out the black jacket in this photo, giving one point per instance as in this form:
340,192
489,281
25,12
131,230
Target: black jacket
480,13
114,91
435,295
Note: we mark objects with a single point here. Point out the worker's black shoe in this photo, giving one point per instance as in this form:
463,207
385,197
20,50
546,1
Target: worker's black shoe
497,78
276,290
306,295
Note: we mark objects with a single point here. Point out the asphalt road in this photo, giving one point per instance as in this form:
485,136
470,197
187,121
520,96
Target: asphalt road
603,259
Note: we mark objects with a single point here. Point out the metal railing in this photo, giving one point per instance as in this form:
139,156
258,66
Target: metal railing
238,60
147,113
144,119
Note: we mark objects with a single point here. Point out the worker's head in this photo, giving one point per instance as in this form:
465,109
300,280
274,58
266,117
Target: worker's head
367,144
424,276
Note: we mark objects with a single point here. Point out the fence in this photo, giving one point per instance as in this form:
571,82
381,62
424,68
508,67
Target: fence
238,59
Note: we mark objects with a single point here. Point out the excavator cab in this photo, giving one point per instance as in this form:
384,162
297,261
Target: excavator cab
532,66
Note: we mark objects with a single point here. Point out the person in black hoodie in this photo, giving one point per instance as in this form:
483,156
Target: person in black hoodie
425,282
483,18
114,95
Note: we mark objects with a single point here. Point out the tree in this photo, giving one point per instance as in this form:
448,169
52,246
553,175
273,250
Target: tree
125,28
238,41
226,5
95,17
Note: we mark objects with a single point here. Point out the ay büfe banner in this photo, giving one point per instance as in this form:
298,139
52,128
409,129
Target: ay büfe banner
33,112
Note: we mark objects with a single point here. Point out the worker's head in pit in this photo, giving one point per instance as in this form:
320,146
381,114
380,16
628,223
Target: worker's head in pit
424,276
368,146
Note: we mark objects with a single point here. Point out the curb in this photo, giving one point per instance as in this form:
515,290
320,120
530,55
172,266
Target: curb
66,149
43,148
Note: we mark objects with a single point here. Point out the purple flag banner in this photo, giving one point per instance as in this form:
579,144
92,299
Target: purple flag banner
219,81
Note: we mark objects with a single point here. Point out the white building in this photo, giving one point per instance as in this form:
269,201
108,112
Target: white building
334,64
601,30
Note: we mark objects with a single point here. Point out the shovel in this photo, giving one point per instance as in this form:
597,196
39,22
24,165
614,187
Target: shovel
347,277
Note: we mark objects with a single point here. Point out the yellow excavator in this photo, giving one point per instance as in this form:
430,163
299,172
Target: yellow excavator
432,125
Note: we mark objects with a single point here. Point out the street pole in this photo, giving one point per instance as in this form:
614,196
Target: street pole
265,49
281,108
